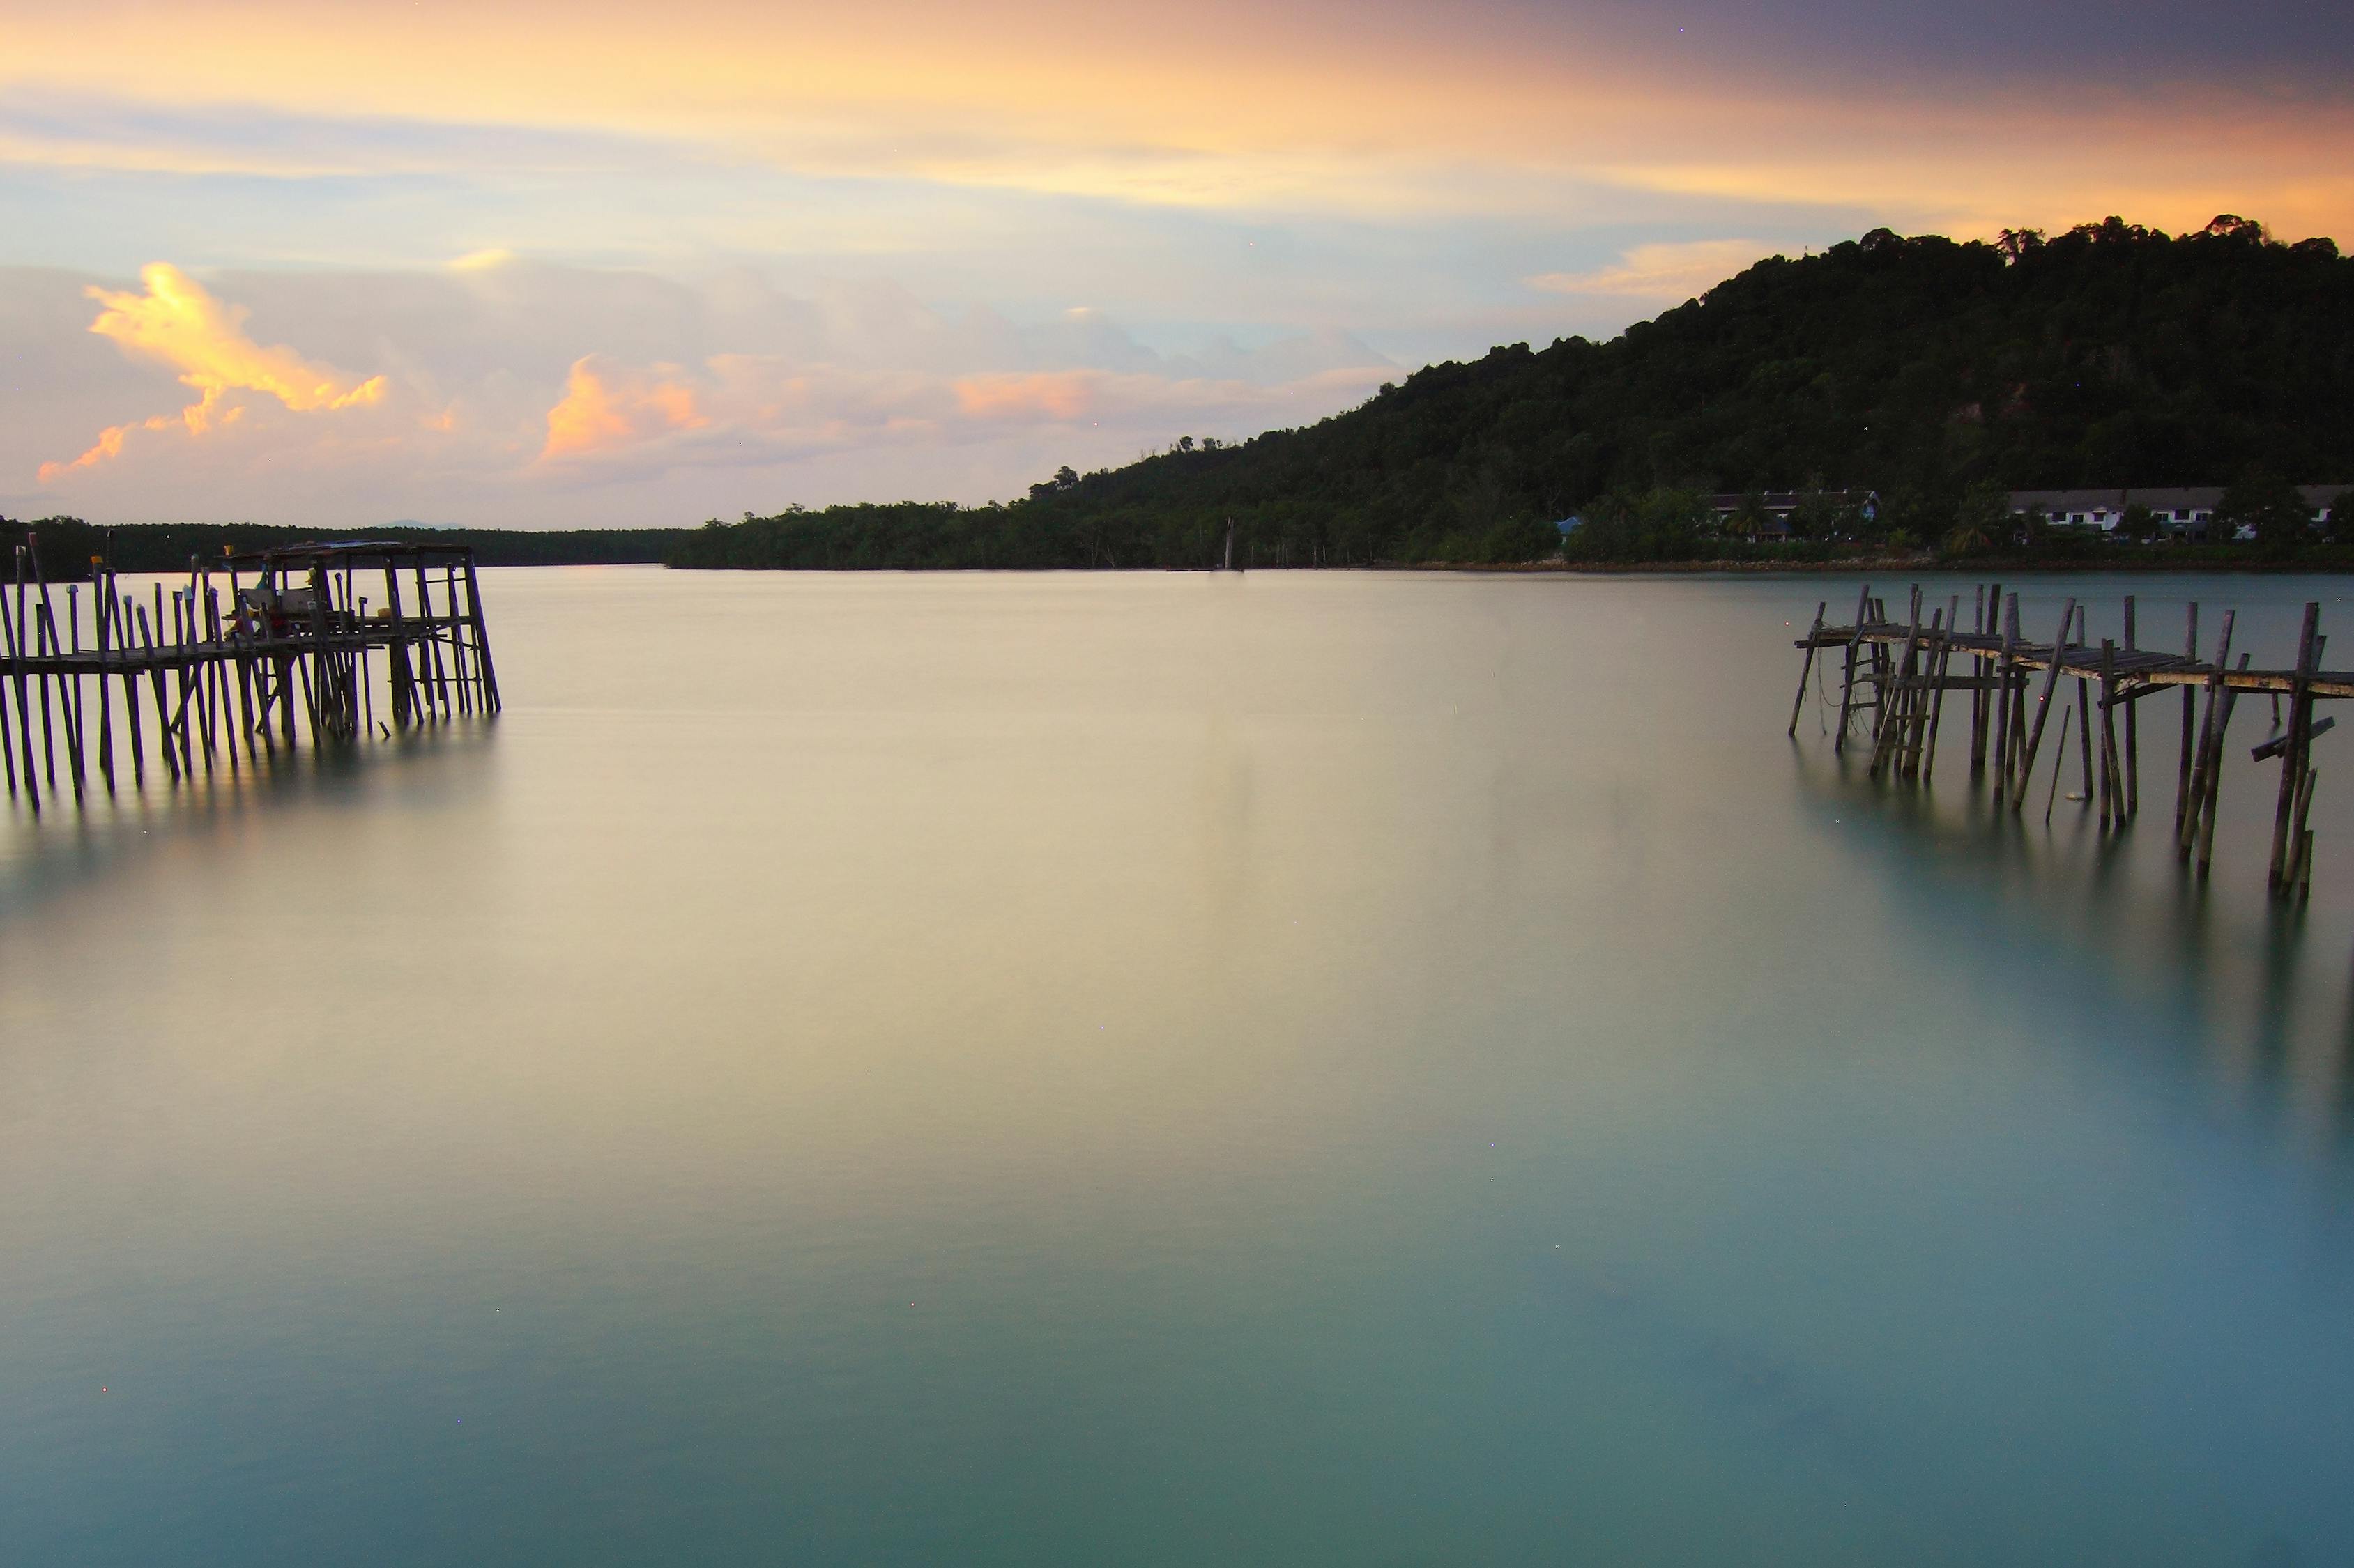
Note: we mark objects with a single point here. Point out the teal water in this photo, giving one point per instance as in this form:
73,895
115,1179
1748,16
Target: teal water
1163,1069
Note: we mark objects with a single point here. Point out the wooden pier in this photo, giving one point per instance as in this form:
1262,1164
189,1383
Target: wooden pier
1896,670
249,652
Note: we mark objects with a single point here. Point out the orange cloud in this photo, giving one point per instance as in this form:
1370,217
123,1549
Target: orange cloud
602,411
176,322
1056,395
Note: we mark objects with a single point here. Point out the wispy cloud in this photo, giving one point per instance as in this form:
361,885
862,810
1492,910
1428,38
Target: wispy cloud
1661,273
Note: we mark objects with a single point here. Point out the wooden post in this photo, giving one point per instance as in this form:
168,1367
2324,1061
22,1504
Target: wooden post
2059,766
2043,705
396,673
489,672
1806,670
155,681
2083,716
2133,730
2202,761
124,643
437,681
458,661
7,730
102,592
2189,719
76,729
1925,759
2113,794
18,653
2001,695
1847,683
1896,693
2293,759
2215,779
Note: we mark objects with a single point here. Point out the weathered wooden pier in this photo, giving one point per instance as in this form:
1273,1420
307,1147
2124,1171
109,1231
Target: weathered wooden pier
249,651
1895,672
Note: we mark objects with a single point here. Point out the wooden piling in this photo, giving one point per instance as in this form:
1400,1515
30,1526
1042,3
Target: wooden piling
1847,680
2202,762
2189,721
2132,731
2293,759
2216,781
1806,668
18,654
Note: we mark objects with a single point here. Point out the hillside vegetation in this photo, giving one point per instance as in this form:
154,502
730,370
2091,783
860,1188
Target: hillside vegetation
1920,368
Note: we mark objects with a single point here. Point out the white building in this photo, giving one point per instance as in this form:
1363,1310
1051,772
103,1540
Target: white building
2182,510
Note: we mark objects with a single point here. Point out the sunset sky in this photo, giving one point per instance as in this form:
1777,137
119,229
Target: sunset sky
539,264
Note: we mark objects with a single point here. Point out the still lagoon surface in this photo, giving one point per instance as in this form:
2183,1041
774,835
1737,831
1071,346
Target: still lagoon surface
1171,1069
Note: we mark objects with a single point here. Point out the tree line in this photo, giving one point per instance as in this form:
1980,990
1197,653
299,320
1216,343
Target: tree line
68,545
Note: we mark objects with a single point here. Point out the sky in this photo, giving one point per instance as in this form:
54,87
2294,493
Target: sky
523,263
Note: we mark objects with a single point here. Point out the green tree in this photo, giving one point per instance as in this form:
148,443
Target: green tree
2341,518
1980,520
2269,505
2139,524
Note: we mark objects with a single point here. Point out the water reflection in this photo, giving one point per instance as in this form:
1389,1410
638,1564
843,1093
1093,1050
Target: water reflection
2243,977
65,847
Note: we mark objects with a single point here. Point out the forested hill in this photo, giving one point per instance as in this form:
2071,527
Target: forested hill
2112,354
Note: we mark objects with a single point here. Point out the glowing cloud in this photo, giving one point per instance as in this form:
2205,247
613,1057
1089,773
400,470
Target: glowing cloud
603,410
1659,272
176,321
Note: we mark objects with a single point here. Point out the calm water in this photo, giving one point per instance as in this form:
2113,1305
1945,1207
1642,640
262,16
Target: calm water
1156,1069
